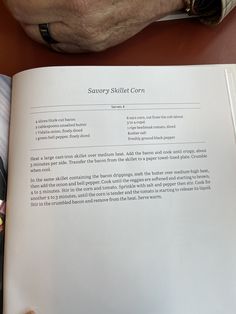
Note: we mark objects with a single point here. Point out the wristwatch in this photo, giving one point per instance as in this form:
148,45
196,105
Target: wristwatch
202,7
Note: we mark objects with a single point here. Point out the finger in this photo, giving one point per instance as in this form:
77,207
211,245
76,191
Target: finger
59,32
36,12
31,312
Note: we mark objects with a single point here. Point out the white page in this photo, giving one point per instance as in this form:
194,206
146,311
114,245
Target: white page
150,175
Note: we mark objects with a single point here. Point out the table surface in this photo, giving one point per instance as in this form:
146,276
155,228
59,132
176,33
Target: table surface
164,43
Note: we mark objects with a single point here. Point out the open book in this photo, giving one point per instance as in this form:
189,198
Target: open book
121,190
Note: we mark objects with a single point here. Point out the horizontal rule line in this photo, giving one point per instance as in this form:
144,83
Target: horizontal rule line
121,104
122,109
125,145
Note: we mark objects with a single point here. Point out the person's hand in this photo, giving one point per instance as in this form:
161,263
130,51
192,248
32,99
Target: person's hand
89,25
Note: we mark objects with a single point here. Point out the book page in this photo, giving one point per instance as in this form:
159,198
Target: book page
121,195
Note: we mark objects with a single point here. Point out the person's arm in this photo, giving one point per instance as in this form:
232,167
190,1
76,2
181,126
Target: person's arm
94,25
89,25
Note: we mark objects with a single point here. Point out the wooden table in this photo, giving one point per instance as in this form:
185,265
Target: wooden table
163,43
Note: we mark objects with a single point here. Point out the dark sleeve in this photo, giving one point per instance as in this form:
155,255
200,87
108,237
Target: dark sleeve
213,11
